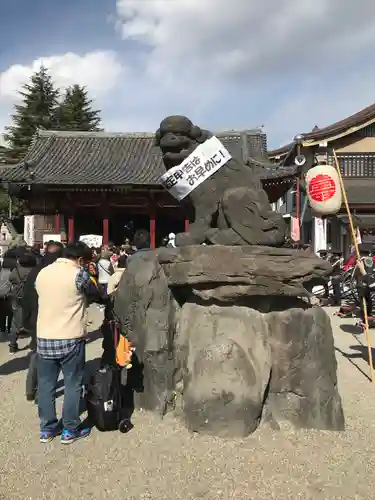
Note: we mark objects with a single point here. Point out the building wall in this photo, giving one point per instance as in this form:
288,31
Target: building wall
357,152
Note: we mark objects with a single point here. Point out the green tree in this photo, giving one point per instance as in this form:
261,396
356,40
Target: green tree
75,111
37,110
8,201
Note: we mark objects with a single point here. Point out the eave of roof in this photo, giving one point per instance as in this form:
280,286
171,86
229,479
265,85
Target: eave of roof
332,132
281,151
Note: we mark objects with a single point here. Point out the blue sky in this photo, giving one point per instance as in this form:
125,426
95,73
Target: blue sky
284,64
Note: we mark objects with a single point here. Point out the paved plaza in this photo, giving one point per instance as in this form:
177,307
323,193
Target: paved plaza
161,460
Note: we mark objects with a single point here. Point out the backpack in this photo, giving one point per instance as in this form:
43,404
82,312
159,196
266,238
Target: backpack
5,286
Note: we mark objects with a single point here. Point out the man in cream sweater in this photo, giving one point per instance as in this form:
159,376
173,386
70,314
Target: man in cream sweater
64,289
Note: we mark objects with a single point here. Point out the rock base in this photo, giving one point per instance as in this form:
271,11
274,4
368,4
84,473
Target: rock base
208,328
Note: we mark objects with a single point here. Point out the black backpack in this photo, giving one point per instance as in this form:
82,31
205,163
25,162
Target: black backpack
105,404
5,285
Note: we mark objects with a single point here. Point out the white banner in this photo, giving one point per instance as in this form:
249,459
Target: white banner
205,160
51,237
92,240
358,236
29,230
295,232
320,234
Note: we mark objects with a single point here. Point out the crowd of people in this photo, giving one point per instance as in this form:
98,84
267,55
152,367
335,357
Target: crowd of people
44,294
362,270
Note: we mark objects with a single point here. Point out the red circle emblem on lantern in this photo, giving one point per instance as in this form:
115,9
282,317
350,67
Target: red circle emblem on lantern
321,188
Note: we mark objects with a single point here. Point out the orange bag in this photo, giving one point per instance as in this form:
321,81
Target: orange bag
124,352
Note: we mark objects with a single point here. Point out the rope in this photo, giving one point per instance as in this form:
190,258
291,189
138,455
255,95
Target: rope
355,243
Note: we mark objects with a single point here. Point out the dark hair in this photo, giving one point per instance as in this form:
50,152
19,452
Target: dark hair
10,258
36,248
122,262
75,251
27,260
141,239
88,254
54,246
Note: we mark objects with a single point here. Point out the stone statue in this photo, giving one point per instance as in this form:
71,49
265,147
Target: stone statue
231,207
225,334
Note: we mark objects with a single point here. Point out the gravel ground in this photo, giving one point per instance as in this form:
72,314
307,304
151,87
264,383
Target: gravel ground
161,460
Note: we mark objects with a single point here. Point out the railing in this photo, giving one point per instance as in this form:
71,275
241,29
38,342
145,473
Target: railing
368,131
355,164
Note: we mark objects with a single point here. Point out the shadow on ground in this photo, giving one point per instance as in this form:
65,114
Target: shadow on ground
361,352
15,365
94,335
352,329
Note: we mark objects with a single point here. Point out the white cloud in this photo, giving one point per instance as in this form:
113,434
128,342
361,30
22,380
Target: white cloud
97,70
295,47
248,39
288,64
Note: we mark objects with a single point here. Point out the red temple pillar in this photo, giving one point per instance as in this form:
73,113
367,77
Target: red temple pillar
105,231
70,229
57,224
187,224
152,231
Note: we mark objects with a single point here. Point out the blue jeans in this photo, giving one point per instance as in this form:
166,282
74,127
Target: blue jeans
72,366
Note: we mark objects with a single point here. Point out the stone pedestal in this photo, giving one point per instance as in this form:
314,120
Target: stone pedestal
229,332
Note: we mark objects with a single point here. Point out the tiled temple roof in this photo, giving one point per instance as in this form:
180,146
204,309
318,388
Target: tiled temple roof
341,128
100,158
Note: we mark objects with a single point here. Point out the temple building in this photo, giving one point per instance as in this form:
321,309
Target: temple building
108,184
353,140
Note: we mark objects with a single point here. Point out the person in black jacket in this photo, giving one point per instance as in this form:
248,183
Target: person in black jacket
363,274
30,314
6,313
17,279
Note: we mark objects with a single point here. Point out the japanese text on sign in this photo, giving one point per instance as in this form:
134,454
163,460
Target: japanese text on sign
92,240
205,160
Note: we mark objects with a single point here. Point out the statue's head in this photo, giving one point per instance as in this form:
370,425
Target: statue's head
177,137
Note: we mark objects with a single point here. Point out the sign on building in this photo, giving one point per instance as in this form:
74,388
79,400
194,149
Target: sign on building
295,229
320,234
51,237
205,160
92,240
29,230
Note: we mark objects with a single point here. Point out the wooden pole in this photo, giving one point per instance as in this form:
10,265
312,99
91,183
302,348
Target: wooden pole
355,243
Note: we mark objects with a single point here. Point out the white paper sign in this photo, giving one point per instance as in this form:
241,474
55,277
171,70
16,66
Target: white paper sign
205,160
358,236
320,234
29,229
51,237
295,232
92,240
